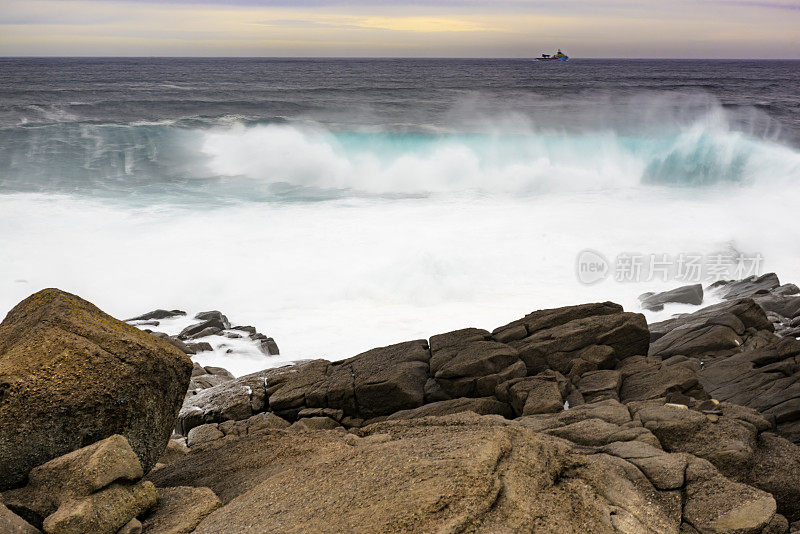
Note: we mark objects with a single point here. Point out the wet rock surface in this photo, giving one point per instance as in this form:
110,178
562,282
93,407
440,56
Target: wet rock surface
208,331
692,294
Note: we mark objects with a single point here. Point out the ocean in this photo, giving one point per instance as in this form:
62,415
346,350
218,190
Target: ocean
343,204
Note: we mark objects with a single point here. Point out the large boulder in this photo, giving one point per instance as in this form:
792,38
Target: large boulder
715,504
71,375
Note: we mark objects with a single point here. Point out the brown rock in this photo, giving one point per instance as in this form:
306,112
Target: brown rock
543,393
599,340
600,385
175,450
775,468
74,476
434,474
375,383
715,504
481,406
308,424
203,433
71,375
665,471
106,511
134,526
180,510
10,523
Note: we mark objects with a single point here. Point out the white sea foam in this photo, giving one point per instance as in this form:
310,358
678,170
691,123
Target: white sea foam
335,278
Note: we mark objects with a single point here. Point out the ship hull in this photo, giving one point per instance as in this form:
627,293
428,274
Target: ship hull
552,58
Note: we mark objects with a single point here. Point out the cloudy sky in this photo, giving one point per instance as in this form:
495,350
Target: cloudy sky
421,28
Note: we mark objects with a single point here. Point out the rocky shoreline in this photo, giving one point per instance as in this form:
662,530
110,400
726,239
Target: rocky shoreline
577,419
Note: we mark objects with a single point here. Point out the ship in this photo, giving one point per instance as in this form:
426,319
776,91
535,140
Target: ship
558,56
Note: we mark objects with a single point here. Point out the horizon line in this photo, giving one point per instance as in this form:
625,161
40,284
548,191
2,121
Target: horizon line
590,58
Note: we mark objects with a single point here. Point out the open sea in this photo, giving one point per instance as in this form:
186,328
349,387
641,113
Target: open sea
339,205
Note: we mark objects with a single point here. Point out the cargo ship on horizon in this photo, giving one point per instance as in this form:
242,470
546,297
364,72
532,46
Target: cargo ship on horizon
558,56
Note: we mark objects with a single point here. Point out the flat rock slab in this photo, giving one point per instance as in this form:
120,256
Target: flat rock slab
423,475
10,523
180,510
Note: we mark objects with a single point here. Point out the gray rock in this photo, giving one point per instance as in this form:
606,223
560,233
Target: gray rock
218,371
747,287
268,347
249,329
235,400
202,346
595,336
372,384
157,314
781,305
174,341
214,315
473,368
212,325
692,294
786,289
205,332
714,328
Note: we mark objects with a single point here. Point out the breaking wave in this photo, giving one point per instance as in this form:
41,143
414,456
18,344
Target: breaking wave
267,161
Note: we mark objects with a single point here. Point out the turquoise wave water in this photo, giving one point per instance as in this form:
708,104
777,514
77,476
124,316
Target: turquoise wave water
263,162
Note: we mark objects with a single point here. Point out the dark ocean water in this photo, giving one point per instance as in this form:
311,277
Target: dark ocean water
404,94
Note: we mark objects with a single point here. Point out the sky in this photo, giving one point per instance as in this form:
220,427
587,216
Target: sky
420,28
